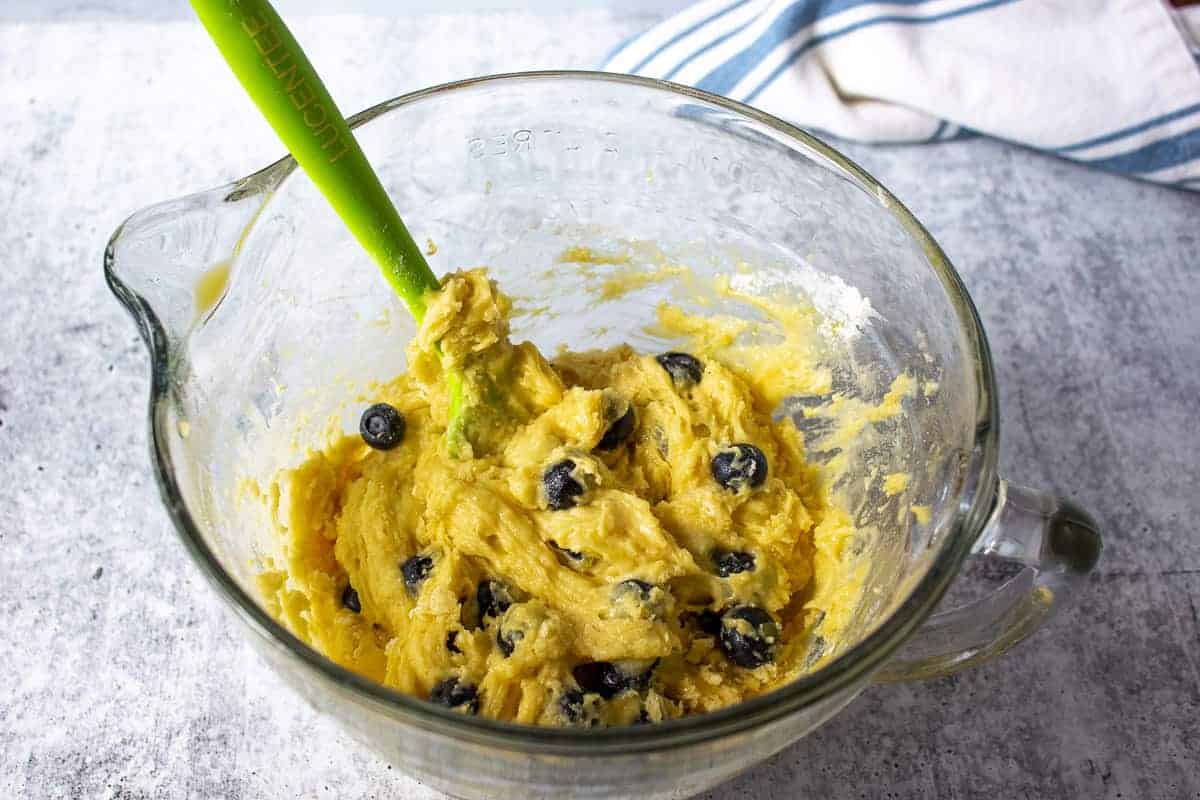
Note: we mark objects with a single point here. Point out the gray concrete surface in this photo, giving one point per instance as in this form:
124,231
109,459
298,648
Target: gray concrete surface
42,10
120,673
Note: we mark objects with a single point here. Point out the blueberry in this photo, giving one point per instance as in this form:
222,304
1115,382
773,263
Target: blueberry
560,485
748,636
608,679
452,694
619,431
730,562
572,555
493,597
570,705
350,600
415,570
685,370
740,465
637,672
507,641
601,677
382,426
633,586
450,642
640,598
660,441
709,621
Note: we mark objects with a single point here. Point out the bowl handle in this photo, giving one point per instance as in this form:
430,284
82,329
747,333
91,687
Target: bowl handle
1057,544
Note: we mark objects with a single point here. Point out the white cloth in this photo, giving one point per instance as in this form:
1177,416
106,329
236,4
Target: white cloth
1110,83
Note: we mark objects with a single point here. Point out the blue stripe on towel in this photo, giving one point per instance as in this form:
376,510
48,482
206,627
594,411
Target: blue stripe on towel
798,15
707,47
941,128
899,20
1131,130
612,53
685,33
1172,151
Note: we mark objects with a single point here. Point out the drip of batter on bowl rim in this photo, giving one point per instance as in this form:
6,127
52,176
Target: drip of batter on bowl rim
636,537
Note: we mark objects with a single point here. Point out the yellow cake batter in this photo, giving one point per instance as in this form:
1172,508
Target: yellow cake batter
556,577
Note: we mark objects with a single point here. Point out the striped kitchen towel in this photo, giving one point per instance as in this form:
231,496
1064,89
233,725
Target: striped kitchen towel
1110,83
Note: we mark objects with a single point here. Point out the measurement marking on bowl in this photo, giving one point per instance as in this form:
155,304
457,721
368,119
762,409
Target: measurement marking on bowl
501,145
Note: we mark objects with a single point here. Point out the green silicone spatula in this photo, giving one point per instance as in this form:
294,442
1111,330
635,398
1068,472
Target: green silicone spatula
281,81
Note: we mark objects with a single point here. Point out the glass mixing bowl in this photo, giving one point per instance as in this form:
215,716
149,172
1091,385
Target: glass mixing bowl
509,171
